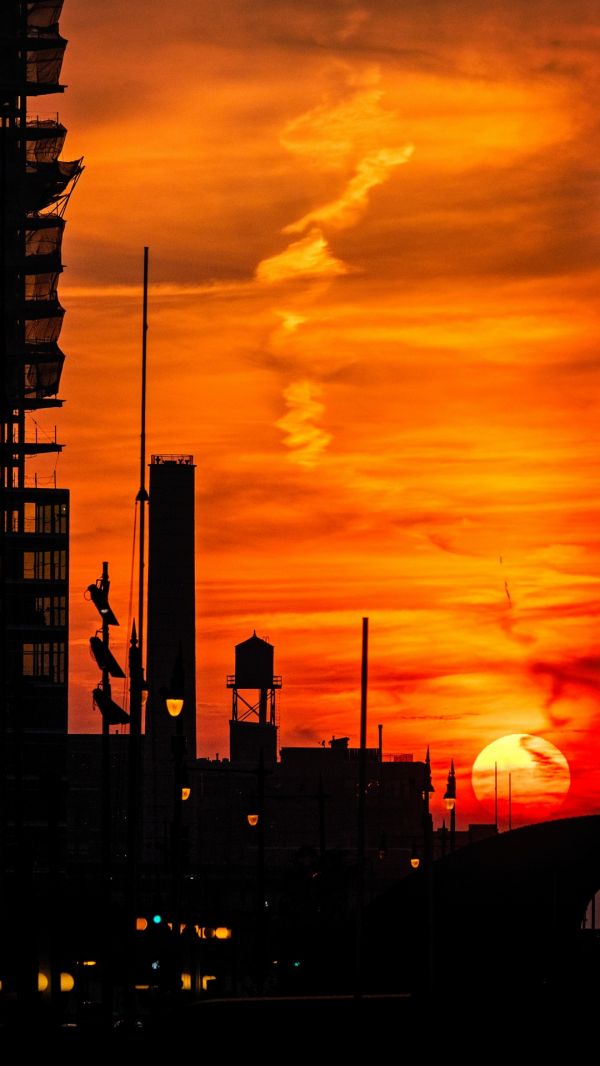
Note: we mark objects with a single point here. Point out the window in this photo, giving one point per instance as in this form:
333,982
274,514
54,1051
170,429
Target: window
45,566
46,661
51,610
33,517
43,516
60,518
11,521
28,517
51,518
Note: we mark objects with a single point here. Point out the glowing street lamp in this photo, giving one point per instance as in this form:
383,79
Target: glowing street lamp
174,705
185,786
174,696
174,700
450,802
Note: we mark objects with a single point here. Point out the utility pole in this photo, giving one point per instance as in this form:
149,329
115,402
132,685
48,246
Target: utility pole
362,796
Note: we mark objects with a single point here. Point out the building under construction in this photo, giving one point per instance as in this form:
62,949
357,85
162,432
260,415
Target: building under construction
34,513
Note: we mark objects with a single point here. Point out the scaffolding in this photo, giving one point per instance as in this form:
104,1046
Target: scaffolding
35,186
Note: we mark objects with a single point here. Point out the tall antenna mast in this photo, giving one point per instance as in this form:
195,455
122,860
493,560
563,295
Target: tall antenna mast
142,496
137,688
496,794
362,790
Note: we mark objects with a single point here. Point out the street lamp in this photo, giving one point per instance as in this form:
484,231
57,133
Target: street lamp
428,873
174,705
174,701
174,695
256,818
450,802
185,786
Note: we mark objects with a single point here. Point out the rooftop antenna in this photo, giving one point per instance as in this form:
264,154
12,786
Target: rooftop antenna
362,790
138,689
496,795
142,496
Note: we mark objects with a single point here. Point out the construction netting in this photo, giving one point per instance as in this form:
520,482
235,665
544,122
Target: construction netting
44,140
41,286
45,329
43,236
47,182
43,13
41,373
44,63
31,61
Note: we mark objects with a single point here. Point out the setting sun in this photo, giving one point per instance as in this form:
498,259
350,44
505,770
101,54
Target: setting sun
529,771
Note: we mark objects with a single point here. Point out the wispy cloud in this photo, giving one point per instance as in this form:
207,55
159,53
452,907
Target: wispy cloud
348,122
290,320
348,129
307,258
306,440
373,169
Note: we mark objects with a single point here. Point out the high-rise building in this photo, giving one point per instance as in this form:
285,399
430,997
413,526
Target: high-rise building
35,185
171,643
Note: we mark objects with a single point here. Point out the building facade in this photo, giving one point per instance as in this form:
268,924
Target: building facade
171,643
34,517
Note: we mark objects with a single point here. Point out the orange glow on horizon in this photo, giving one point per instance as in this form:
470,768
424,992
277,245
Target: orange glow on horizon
373,278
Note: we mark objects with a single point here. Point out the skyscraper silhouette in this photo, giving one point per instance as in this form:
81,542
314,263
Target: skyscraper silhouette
171,637
34,513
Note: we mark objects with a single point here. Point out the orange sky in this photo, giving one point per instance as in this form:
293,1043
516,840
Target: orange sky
373,233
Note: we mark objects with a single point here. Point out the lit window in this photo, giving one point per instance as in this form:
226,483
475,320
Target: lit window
45,565
51,610
28,660
28,517
60,518
45,660
44,518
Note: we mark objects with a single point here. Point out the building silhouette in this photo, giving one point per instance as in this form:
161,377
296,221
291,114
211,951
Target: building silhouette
34,520
171,643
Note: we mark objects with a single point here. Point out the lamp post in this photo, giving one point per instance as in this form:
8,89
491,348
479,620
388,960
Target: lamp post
174,700
138,694
256,819
361,814
428,872
450,802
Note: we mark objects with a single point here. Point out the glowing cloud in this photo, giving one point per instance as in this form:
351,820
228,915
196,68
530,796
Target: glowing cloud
306,440
330,135
290,320
347,124
372,170
308,257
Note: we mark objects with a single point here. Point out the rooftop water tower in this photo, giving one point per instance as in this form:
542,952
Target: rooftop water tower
253,728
